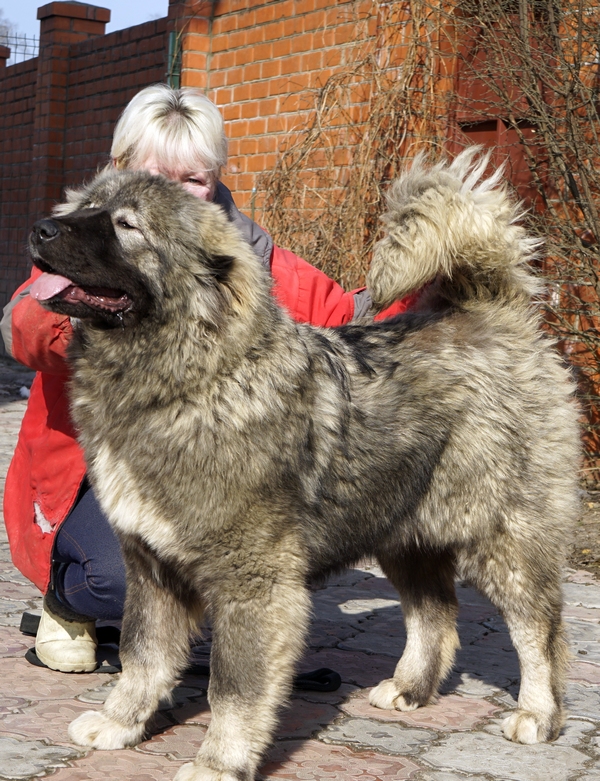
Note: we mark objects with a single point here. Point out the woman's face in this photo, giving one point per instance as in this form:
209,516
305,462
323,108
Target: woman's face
199,183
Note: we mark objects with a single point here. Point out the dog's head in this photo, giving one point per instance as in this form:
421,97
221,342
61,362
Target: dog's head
132,244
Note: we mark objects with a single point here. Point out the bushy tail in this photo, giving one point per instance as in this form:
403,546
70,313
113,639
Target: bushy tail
447,221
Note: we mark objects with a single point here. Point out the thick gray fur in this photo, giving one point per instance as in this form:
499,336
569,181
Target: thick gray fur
240,455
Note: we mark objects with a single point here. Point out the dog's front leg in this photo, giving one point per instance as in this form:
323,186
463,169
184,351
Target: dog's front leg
256,642
154,649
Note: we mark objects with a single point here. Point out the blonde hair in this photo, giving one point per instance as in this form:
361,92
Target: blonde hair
174,127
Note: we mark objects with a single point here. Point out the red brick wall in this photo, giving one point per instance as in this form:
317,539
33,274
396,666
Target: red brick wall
58,112
261,62
16,135
104,74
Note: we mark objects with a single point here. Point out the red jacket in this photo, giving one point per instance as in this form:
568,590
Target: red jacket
47,468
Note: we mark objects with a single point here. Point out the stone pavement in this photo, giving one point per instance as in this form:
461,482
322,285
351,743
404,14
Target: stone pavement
337,736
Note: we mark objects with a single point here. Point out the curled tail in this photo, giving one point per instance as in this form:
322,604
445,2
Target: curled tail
447,222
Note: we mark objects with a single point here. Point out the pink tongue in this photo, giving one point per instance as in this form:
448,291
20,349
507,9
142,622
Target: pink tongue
48,285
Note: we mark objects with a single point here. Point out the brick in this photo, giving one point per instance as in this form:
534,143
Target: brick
270,69
263,51
74,11
282,47
231,112
249,109
235,76
243,56
225,24
237,129
268,12
236,39
252,72
88,26
255,35
273,32
259,90
290,65
241,92
249,146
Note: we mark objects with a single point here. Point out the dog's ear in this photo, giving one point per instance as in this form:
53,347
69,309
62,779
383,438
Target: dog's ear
220,266
73,200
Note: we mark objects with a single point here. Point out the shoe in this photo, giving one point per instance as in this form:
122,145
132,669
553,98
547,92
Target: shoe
65,641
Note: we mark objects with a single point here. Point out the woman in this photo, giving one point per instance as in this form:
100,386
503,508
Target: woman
59,536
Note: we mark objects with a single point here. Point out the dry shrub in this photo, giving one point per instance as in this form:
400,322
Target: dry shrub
324,197
423,80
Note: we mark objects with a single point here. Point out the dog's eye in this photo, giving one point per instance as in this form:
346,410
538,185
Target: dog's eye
124,224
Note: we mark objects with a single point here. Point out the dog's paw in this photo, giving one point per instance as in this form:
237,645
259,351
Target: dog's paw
193,772
95,729
524,727
387,697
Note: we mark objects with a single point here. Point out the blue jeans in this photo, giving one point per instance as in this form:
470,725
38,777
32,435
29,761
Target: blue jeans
90,574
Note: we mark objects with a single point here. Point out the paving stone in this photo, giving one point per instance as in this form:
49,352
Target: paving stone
179,742
312,760
590,651
574,731
49,719
332,698
327,634
18,678
12,705
471,685
584,673
582,595
355,668
442,776
476,612
124,765
583,700
8,606
580,576
492,755
192,712
17,591
98,695
9,574
495,640
380,736
371,643
13,642
575,612
352,577
26,758
303,719
451,712
584,631
489,664
381,586
349,607
387,622
354,607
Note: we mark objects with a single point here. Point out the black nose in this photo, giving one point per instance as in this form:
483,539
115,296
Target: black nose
45,230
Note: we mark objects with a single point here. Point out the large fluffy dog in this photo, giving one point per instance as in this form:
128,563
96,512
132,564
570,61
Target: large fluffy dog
240,455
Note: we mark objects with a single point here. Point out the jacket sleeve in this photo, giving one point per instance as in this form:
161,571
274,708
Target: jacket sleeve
32,335
308,294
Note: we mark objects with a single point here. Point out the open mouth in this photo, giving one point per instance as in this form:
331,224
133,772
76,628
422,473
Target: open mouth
105,299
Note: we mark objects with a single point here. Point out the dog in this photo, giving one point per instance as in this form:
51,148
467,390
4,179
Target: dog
241,456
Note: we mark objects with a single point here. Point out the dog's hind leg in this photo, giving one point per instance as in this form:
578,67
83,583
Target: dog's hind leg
527,592
425,582
154,649
257,638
